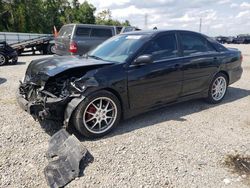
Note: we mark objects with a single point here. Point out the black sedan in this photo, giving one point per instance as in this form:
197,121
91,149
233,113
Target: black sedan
7,54
126,75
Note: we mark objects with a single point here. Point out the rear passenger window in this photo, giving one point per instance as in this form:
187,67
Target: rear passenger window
83,31
193,45
163,47
105,33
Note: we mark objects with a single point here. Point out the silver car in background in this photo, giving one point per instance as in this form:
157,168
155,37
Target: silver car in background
78,39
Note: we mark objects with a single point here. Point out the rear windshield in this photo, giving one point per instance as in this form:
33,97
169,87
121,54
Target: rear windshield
66,30
101,33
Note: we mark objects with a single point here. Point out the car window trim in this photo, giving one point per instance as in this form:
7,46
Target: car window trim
167,59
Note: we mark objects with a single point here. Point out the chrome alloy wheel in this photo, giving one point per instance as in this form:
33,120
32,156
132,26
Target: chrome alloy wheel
2,59
100,115
219,88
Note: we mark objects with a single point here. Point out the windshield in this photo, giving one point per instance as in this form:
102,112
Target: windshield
118,49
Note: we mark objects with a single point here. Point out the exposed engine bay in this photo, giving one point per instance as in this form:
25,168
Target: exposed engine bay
48,99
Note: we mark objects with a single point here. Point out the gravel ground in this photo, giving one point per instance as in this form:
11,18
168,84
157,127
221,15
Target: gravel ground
184,145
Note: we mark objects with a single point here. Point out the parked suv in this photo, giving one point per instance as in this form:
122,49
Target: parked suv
78,39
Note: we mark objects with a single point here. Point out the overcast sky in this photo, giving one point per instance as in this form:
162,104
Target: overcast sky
219,17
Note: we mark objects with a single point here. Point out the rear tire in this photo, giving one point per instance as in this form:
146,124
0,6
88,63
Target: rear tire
13,62
3,59
97,114
51,49
217,89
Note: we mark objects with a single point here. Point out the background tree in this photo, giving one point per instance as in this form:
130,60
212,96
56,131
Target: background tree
105,18
84,13
40,16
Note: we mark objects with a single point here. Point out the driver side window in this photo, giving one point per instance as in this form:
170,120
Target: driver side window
163,47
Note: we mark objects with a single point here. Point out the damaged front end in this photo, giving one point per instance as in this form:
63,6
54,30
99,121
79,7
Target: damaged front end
47,97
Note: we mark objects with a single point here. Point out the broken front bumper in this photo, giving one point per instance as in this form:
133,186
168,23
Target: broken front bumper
24,104
50,108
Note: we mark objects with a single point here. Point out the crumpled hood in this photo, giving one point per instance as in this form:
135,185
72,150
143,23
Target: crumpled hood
55,65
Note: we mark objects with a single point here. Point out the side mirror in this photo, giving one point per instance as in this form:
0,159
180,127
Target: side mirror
143,59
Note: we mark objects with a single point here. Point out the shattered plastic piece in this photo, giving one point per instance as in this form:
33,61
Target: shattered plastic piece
55,142
65,154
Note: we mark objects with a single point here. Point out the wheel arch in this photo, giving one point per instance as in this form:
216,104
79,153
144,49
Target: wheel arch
117,95
225,73
72,105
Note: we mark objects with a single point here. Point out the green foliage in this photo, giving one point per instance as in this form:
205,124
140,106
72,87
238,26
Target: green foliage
40,16
105,18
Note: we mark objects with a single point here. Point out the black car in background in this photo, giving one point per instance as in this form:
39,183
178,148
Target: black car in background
222,40
126,75
7,54
242,39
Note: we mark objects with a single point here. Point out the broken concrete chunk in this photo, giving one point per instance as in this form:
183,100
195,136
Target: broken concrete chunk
65,154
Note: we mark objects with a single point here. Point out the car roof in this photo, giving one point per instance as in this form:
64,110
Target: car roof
155,32
90,25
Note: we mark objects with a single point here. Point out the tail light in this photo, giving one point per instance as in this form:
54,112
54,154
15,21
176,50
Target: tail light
73,47
241,57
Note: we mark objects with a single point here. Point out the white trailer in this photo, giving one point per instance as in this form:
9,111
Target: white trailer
29,42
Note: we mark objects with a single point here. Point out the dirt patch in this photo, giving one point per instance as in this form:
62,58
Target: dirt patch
248,123
240,165
8,101
247,67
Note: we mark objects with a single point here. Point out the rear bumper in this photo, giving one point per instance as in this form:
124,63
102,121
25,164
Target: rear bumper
235,75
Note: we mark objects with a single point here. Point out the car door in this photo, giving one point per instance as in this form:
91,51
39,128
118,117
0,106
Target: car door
158,82
200,62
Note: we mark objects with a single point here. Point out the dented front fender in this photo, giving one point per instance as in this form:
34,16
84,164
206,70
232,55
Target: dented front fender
71,106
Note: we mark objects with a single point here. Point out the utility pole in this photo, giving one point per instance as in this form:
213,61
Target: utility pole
146,21
200,25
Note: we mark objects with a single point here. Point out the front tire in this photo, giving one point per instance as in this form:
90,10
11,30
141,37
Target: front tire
217,89
97,114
